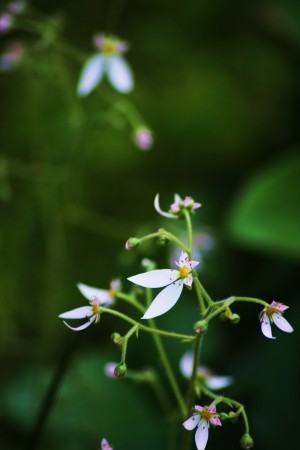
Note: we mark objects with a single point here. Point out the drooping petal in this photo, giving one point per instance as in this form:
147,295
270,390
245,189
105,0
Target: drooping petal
119,74
201,435
186,364
192,422
160,211
77,313
282,323
188,280
164,301
218,382
82,327
215,420
91,74
92,293
155,278
266,326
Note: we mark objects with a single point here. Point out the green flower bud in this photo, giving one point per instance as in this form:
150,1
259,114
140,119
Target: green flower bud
223,416
132,243
234,319
246,441
201,327
232,416
117,338
120,370
223,316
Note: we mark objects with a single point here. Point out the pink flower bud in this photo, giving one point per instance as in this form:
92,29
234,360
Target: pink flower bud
143,138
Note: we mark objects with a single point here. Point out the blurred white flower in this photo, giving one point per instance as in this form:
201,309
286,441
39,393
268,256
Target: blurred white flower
108,61
210,380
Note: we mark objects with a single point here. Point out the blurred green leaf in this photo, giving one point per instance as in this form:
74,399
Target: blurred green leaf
266,214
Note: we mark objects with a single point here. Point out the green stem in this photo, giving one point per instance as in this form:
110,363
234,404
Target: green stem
251,300
203,291
167,234
165,361
170,334
199,294
189,232
131,300
125,341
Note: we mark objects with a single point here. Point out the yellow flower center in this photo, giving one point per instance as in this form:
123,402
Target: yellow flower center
109,47
183,272
111,292
205,414
271,310
95,309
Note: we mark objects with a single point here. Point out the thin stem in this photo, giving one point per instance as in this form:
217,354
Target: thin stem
131,300
251,300
125,342
203,291
170,334
176,241
199,295
194,372
189,232
165,361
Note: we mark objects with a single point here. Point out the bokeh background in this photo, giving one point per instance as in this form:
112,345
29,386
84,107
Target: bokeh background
218,83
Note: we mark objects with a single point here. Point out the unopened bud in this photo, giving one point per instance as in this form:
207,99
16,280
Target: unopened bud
201,327
120,370
109,369
223,316
246,441
233,417
132,243
223,416
234,319
117,339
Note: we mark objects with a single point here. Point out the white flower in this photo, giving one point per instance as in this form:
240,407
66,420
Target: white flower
173,279
176,207
96,297
210,380
107,61
203,417
273,313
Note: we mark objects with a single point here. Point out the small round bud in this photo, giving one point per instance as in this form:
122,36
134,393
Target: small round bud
143,138
117,339
223,316
109,369
223,416
233,417
246,441
132,243
201,327
120,370
234,319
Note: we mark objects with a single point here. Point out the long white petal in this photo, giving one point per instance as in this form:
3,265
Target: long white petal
201,435
91,74
77,313
186,364
160,211
91,293
266,327
218,382
164,301
119,74
192,422
155,278
82,327
282,323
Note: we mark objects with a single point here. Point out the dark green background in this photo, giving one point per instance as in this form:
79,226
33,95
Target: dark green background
218,82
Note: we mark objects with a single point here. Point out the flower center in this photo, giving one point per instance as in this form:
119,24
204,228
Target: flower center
109,47
183,272
111,292
95,308
205,414
271,310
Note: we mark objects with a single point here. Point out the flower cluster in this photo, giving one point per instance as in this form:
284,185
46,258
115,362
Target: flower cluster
177,207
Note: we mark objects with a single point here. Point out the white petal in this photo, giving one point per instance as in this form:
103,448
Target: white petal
192,422
77,313
164,301
160,211
91,74
266,326
184,259
119,74
186,364
82,327
282,323
91,293
201,435
177,198
218,382
155,278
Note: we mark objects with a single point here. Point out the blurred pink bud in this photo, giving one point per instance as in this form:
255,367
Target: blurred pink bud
143,138
109,369
16,7
5,23
13,55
